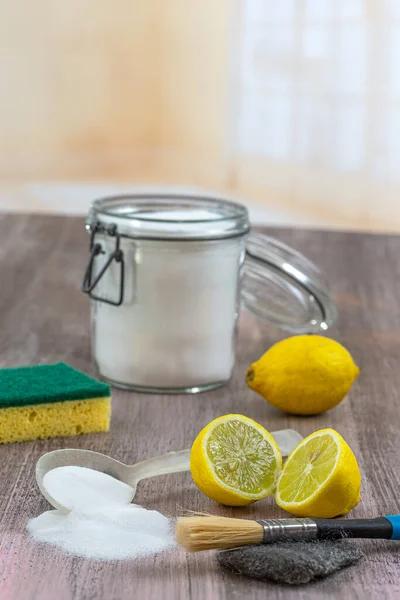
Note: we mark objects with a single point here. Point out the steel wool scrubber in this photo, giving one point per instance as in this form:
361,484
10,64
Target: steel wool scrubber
292,563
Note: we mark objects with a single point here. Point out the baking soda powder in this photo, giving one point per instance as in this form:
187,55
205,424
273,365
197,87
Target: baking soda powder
102,523
176,327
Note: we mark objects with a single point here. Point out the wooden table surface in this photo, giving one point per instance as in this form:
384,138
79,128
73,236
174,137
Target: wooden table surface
45,318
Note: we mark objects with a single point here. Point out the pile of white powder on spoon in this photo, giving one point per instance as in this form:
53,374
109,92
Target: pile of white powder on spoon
102,523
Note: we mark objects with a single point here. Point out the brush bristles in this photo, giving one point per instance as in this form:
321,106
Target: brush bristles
210,533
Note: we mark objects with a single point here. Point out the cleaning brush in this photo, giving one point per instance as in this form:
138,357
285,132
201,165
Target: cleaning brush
208,533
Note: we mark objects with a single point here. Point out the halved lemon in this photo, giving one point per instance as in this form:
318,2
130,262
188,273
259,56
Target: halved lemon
235,461
321,477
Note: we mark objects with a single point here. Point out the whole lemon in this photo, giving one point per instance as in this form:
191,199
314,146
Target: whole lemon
304,375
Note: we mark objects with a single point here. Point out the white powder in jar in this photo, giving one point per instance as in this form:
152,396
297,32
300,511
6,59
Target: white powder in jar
102,523
176,328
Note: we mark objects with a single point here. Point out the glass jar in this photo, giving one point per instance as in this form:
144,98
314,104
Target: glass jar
167,274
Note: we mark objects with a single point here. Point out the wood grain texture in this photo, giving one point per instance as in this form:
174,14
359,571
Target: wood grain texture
44,317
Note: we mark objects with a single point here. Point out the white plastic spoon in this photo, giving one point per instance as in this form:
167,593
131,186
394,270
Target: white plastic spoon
173,462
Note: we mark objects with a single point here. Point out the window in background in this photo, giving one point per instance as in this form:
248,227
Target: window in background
318,109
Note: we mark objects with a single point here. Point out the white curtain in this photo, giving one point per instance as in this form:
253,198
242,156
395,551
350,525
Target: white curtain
316,107
291,105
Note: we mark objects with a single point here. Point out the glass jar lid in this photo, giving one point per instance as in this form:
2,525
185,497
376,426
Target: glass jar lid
161,216
284,288
279,284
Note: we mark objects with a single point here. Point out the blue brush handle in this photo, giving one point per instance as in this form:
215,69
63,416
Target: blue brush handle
395,521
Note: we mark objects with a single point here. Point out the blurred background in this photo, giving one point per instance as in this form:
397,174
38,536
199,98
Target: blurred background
292,106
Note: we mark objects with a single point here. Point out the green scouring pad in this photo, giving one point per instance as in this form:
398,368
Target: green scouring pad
47,401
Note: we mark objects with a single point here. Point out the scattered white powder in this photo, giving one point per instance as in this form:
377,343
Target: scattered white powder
110,534
102,523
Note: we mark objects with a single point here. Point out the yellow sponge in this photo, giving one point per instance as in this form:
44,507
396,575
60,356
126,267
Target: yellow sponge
49,401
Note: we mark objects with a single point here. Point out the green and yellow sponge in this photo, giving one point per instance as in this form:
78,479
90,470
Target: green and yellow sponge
48,401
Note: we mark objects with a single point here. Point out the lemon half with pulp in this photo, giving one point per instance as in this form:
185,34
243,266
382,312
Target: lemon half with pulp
235,461
321,477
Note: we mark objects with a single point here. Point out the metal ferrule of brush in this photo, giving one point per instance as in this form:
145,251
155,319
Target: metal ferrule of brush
276,530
